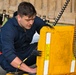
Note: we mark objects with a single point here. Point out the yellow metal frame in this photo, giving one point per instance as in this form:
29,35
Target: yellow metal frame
14,74
59,53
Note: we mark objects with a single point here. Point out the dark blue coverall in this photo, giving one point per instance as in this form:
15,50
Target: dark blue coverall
16,42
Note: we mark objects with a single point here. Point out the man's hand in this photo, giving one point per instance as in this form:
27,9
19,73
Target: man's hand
23,66
33,71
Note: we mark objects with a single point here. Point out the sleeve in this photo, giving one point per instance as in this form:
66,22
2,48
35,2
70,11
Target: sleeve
39,24
7,39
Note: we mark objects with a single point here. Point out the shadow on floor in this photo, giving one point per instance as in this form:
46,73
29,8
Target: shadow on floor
2,72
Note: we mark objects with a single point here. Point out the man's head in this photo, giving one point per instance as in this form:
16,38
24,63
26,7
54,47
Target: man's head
26,14
27,9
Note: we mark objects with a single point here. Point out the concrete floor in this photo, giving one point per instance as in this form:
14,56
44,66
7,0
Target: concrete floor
2,72
35,39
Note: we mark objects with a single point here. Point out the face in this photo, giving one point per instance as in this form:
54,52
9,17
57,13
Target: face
25,21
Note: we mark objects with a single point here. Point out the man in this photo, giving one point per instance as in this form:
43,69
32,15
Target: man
16,36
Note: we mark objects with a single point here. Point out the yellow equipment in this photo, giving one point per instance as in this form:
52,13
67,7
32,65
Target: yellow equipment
10,73
57,51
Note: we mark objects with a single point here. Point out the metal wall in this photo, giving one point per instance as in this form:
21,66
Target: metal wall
50,8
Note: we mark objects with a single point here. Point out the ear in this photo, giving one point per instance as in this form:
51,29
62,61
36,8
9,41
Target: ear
19,17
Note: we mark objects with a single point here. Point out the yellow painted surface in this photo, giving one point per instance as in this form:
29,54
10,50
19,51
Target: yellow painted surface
25,74
14,74
9,74
61,50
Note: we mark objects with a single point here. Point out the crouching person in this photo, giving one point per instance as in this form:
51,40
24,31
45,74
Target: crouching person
16,37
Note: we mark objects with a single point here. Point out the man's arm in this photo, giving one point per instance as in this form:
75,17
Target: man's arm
8,50
40,23
23,66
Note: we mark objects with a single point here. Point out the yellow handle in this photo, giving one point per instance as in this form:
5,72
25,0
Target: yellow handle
9,74
25,74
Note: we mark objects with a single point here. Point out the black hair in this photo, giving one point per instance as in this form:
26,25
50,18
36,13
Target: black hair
15,14
27,9
1,20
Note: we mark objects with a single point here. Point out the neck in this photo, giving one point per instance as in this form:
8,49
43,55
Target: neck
20,23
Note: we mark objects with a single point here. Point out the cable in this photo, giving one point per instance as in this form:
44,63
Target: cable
61,12
34,52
